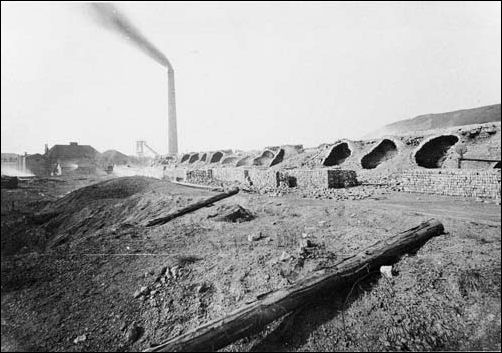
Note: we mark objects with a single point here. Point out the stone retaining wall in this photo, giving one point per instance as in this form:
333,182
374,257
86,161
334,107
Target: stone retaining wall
263,178
453,182
266,178
319,178
229,174
199,176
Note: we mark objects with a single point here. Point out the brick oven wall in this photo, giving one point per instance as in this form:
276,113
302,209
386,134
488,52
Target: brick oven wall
230,174
199,176
338,178
267,178
263,178
483,184
320,178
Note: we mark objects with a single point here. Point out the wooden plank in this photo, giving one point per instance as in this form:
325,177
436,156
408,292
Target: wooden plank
253,316
197,186
192,207
480,160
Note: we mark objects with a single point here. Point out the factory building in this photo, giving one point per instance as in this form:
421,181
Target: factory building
58,160
63,159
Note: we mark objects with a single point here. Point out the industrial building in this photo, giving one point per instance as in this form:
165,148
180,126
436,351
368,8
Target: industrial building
60,159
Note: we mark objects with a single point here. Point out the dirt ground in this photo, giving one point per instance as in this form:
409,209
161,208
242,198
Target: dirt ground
76,254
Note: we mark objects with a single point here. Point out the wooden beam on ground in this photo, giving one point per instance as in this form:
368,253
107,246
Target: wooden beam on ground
197,186
480,160
192,207
252,317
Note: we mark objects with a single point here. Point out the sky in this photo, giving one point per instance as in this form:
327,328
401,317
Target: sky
248,74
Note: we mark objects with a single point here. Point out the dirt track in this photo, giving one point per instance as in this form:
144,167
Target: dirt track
447,296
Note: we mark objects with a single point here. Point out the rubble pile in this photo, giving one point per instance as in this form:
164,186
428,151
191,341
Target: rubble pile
232,214
354,193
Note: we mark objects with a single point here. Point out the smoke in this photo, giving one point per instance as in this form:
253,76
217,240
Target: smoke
108,16
121,171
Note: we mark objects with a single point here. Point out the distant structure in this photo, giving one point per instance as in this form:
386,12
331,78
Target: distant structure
113,19
13,161
58,160
65,159
140,149
72,157
172,129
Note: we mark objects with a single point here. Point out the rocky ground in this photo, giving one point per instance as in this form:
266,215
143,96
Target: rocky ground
81,272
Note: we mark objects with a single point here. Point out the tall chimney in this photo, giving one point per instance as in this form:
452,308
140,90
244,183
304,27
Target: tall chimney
172,130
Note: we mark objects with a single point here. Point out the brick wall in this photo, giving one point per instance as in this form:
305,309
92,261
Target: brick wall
378,177
319,178
199,176
267,178
263,178
339,178
229,174
454,182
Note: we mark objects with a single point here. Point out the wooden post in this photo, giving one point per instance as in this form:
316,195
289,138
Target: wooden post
192,207
253,316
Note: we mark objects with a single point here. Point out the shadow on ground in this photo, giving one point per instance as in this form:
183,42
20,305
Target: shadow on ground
295,328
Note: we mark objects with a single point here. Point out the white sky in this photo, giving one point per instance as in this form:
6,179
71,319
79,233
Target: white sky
248,75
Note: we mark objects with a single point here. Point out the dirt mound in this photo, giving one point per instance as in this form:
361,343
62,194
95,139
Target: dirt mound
119,188
95,215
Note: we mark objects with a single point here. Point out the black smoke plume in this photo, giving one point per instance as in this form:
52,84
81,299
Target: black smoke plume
110,17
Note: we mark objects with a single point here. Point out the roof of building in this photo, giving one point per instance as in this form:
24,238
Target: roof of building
35,155
72,151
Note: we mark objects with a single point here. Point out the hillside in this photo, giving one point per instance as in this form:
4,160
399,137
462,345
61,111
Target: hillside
479,115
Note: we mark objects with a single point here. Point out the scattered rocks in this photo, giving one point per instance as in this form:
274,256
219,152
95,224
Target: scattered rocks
386,271
161,273
355,193
255,236
175,271
141,291
285,256
233,214
80,338
305,244
134,333
201,288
